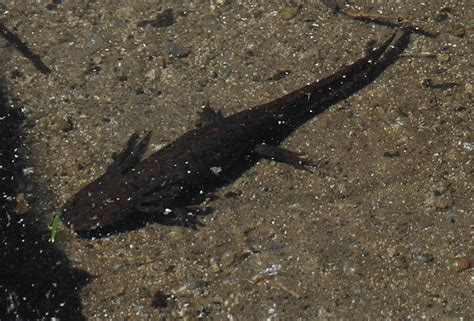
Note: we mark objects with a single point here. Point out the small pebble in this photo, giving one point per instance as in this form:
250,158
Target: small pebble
150,74
65,124
425,258
28,171
22,206
463,263
451,217
288,13
458,31
468,146
227,258
177,50
160,300
392,252
349,267
280,74
195,283
442,57
214,266
275,245
216,170
443,14
440,197
97,60
51,7
469,88
117,267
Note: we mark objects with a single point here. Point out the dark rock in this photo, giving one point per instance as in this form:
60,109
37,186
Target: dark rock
177,50
162,20
334,5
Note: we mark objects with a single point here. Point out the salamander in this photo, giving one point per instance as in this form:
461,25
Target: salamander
164,182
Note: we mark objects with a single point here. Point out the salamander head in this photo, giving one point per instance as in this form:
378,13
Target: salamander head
99,204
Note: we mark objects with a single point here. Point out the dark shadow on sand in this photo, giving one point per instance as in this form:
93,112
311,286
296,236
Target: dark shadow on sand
36,278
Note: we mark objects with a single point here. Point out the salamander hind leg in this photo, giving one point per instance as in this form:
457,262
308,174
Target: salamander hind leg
183,216
164,201
283,155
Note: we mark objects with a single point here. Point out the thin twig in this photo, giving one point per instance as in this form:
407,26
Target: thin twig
388,21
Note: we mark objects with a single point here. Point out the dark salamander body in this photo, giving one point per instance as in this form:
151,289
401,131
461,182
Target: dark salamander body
161,183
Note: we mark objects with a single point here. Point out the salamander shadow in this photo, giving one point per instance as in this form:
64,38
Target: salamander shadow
353,79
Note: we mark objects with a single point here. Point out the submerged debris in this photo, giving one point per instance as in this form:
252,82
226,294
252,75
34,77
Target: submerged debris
389,21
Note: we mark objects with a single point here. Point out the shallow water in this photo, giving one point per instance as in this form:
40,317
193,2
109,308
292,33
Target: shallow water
374,233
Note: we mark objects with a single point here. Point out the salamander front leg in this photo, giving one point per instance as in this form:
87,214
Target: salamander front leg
207,115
